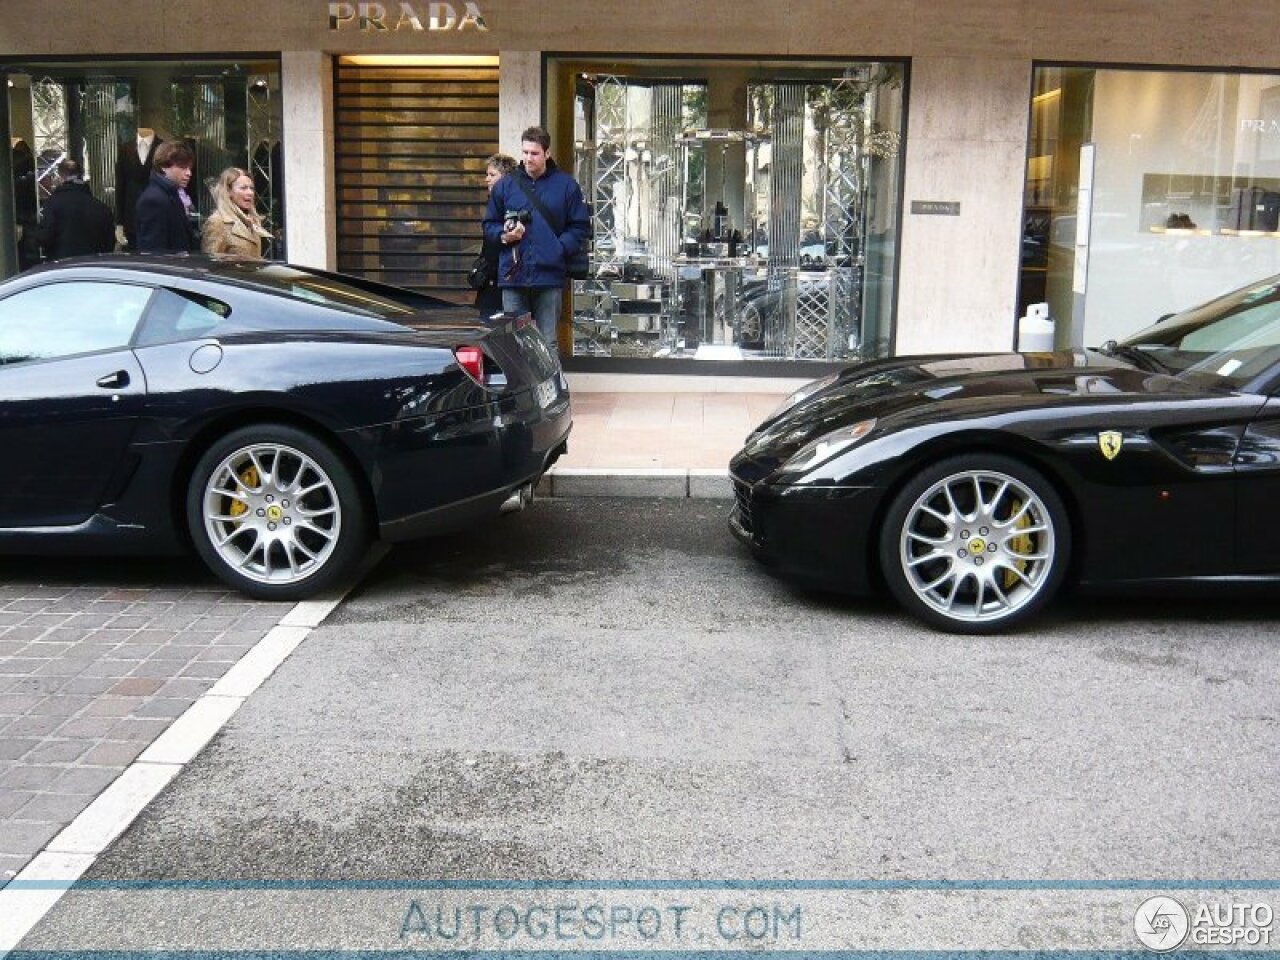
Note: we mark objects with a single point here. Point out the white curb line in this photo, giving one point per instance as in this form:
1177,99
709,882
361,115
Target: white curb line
72,852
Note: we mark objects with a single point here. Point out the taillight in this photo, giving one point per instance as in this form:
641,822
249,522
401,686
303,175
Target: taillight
471,359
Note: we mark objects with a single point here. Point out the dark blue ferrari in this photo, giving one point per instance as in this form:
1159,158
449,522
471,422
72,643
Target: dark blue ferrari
272,417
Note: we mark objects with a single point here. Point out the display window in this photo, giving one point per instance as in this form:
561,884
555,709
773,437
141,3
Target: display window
742,210
109,116
1148,192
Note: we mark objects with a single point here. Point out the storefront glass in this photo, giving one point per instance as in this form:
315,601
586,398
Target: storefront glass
742,210
95,112
1147,192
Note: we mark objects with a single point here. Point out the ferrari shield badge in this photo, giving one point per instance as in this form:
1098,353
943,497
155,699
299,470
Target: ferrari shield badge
1110,442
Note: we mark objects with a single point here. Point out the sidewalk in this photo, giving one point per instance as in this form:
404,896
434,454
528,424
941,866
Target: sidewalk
671,444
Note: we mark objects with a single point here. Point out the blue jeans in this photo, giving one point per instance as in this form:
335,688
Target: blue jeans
542,302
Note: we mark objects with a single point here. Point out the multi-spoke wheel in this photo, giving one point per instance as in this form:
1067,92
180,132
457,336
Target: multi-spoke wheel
975,543
275,513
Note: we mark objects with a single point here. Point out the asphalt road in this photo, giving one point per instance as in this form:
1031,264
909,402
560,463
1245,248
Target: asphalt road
613,690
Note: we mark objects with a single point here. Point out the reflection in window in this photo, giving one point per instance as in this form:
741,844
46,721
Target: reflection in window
64,319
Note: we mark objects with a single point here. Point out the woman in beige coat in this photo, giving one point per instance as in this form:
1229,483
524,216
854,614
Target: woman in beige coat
234,226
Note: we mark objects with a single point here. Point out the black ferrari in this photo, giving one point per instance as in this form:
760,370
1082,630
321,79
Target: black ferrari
972,486
272,417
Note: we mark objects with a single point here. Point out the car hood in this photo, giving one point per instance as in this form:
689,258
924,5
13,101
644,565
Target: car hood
967,386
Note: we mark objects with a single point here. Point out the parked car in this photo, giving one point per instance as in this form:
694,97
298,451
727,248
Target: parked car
272,417
972,486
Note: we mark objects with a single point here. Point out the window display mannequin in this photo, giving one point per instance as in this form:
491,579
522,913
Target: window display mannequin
133,172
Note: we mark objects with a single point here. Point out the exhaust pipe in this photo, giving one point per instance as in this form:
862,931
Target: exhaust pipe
519,499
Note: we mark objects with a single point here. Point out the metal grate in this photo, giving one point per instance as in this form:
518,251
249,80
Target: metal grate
742,500
786,192
107,103
266,157
411,142
52,140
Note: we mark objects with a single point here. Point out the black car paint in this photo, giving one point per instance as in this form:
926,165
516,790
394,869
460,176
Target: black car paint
1192,460
98,462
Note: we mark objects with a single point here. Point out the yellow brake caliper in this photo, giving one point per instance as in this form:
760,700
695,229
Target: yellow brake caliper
249,477
1019,545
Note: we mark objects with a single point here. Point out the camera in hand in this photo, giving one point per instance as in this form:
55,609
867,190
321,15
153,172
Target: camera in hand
513,217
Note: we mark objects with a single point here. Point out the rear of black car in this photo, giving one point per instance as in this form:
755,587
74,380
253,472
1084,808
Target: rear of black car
459,453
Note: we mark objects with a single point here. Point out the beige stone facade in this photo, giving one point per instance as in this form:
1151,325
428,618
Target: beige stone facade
969,82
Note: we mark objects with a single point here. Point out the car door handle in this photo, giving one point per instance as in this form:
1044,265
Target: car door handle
114,381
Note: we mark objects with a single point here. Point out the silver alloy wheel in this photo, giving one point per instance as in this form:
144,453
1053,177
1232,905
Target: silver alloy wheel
271,513
977,546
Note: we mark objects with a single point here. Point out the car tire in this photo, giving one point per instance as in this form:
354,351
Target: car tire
975,544
276,513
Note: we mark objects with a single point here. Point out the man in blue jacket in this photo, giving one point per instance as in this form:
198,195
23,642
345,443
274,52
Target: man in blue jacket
538,214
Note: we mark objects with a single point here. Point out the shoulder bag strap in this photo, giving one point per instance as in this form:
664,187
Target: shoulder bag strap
538,204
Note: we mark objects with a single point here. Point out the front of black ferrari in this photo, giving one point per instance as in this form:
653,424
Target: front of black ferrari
814,482
795,513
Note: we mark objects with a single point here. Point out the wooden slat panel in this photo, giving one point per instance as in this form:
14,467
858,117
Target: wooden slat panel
410,145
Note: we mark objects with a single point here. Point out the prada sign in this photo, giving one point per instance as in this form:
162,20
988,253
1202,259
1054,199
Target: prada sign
1269,127
406,16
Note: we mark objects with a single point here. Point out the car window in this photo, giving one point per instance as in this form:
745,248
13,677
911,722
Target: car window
182,315
63,319
1229,341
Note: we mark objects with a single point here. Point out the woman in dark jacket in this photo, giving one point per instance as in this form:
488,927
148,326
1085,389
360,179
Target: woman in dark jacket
489,297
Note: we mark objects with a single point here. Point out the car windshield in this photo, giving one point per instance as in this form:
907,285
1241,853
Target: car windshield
1227,342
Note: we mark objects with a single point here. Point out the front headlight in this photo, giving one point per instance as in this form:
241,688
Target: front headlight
808,390
827,446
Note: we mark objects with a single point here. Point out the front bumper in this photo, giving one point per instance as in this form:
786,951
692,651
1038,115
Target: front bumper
820,536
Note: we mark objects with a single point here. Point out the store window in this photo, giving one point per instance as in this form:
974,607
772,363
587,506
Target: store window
1148,192
741,210
97,112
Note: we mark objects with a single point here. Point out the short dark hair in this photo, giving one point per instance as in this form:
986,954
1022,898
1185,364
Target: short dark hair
173,153
537,135
68,169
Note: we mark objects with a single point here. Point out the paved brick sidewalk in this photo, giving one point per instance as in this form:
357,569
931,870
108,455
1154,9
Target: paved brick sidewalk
96,660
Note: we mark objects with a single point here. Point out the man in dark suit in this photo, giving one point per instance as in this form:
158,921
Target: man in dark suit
74,222
134,163
163,225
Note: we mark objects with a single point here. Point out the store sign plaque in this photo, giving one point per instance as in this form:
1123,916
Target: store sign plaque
936,208
406,16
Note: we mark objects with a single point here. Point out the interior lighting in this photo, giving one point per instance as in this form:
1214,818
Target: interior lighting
416,60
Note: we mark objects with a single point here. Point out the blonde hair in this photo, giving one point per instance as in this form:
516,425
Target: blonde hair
501,162
221,191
